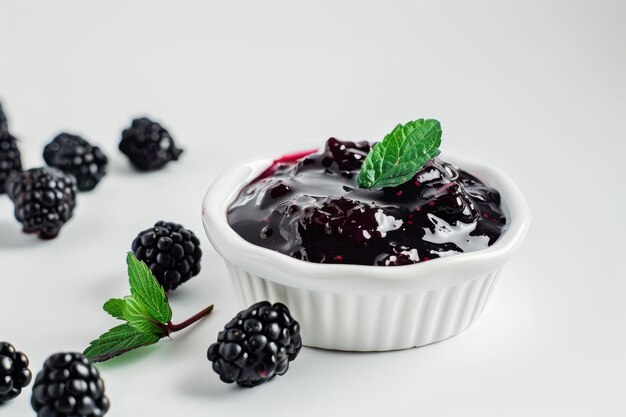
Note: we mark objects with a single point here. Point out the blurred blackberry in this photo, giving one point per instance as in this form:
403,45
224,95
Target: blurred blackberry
14,372
256,345
68,386
148,145
10,157
74,155
44,200
4,125
172,252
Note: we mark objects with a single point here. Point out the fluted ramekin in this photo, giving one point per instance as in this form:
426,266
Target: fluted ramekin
359,307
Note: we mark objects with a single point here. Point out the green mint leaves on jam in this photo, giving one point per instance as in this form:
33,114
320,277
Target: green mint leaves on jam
147,314
401,154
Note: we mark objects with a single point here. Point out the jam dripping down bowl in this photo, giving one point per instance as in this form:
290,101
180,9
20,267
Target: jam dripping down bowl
361,307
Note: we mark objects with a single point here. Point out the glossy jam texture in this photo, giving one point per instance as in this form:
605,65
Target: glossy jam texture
311,209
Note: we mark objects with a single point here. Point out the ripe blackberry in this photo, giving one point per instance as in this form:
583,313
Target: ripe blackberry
44,199
74,155
172,252
67,386
256,345
4,125
148,145
14,372
10,157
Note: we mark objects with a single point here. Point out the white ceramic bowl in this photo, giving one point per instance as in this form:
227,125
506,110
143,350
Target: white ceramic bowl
360,307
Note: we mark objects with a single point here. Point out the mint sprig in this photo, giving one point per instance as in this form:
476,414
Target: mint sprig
401,154
147,314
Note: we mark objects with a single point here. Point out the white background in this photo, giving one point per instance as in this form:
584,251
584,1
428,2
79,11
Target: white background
537,89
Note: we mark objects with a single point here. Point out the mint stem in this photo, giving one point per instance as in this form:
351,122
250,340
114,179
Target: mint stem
171,327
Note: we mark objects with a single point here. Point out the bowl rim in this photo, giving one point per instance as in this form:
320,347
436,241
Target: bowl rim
291,271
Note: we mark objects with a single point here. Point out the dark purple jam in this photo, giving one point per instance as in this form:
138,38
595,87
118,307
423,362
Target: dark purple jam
309,207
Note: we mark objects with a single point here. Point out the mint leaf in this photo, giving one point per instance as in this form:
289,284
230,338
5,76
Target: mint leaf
147,314
401,154
117,341
115,307
147,291
137,316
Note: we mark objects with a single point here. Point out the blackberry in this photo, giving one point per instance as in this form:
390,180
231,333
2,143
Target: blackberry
14,372
148,145
172,252
4,125
44,199
10,157
67,386
74,155
256,345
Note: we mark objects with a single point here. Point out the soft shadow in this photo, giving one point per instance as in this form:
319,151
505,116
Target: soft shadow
204,383
399,351
11,236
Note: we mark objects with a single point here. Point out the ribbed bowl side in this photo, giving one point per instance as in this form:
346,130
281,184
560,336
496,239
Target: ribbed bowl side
356,322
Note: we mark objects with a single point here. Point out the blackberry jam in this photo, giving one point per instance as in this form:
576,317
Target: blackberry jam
309,207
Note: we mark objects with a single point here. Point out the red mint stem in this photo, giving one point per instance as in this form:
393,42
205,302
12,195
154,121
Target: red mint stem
171,327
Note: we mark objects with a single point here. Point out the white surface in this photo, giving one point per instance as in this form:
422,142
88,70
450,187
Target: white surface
365,308
535,88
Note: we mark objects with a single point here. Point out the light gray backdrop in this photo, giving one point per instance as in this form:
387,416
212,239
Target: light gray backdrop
537,88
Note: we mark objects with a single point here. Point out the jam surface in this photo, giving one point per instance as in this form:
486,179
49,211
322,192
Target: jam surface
311,209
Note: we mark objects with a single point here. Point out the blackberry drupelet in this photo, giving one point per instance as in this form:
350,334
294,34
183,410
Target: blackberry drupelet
14,372
69,385
74,155
10,157
148,145
171,252
44,200
256,345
